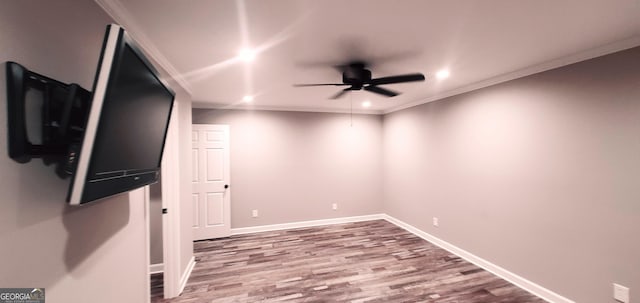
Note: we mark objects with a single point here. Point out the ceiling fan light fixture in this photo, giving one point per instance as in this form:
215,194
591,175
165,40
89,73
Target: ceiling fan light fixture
442,74
366,104
247,99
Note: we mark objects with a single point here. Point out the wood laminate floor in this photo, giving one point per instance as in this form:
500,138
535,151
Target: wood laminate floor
373,261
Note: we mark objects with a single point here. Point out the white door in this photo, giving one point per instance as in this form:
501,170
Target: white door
211,194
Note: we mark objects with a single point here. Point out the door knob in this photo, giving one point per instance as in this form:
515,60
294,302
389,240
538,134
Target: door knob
226,186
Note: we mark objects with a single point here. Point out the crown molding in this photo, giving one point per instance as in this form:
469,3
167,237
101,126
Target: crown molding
527,71
218,106
119,13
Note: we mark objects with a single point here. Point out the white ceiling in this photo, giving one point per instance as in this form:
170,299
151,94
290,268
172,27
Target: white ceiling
480,42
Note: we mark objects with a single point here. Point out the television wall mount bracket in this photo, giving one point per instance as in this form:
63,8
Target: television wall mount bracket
64,111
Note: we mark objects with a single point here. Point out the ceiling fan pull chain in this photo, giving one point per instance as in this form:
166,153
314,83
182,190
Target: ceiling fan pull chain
351,101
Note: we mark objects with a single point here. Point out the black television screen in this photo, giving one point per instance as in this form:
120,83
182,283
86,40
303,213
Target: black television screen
127,123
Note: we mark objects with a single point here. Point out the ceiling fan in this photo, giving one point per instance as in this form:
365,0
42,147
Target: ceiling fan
357,77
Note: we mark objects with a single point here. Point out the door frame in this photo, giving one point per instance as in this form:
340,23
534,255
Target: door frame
170,187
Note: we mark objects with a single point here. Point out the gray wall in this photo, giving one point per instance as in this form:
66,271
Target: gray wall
96,251
155,224
538,175
292,166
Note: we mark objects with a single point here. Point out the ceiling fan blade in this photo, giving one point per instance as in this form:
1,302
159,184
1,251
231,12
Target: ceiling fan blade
340,93
380,90
320,84
397,79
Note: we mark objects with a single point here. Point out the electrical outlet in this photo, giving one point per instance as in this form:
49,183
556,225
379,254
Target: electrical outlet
620,293
254,213
436,222
335,206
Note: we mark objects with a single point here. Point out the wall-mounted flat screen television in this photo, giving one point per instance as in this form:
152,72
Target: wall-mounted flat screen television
127,123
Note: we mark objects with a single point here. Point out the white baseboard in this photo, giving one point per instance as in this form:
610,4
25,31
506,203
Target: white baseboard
156,268
519,281
187,273
273,227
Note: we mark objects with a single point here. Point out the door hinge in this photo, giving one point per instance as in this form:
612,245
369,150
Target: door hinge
164,211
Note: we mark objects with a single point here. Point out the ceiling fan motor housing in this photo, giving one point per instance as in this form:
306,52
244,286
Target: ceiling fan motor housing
356,76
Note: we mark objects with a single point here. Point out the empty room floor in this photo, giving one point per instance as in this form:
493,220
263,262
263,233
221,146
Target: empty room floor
372,261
